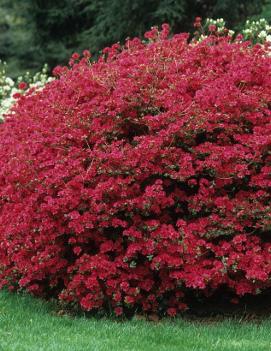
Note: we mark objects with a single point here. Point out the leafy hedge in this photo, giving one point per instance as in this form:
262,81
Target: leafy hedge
129,182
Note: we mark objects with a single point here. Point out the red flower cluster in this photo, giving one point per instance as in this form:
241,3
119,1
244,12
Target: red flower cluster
22,85
128,182
197,23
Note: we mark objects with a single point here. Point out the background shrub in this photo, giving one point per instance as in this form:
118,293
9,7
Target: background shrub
128,183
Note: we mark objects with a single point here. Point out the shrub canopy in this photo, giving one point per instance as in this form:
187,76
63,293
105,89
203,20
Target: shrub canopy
129,182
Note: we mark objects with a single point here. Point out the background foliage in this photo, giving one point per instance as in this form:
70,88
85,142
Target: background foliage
37,31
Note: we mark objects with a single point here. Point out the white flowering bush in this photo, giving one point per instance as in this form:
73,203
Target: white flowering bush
257,31
9,87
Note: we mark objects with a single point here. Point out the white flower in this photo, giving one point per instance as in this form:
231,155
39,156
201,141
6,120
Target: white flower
248,31
262,34
6,88
9,81
202,37
268,38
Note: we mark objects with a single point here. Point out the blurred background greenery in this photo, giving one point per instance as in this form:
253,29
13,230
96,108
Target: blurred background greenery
33,32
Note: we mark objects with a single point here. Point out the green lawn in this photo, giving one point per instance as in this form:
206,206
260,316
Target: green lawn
32,325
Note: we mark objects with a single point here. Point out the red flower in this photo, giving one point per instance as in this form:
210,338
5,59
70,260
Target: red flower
16,95
75,56
86,54
171,312
130,300
77,250
118,311
22,85
197,23
212,28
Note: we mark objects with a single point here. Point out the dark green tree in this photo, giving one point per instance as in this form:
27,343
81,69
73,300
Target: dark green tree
16,39
58,26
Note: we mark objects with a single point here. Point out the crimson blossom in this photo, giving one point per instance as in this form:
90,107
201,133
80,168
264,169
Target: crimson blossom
129,182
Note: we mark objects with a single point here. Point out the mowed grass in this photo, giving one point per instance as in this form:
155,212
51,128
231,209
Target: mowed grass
28,324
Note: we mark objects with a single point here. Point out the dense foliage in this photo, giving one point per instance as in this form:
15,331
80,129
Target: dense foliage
49,31
129,182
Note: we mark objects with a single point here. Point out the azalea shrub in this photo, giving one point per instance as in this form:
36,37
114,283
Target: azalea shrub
129,183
